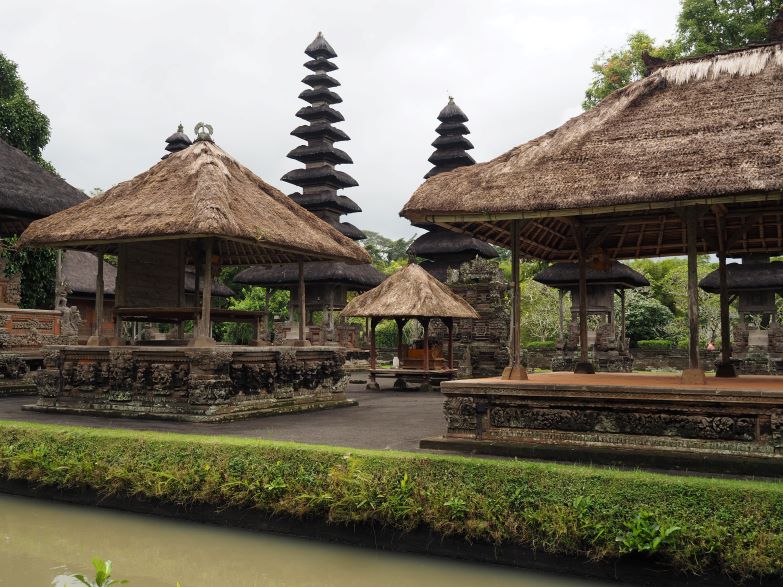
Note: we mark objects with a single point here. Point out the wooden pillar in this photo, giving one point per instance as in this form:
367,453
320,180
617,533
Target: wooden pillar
204,335
622,320
725,368
97,339
694,373
302,307
450,327
197,286
426,323
584,365
371,382
561,313
267,297
400,325
515,370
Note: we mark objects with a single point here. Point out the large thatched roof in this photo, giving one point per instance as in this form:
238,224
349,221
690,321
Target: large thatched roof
80,270
706,131
28,191
200,191
746,278
566,276
411,292
361,277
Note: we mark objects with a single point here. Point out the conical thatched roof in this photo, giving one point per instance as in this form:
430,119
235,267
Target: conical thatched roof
748,277
200,191
411,292
28,191
566,275
706,130
287,275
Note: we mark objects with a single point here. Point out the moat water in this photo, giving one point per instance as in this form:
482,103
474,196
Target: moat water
41,539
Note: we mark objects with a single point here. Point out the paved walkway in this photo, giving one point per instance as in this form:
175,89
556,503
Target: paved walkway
382,420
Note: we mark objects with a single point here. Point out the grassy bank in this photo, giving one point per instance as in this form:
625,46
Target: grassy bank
696,525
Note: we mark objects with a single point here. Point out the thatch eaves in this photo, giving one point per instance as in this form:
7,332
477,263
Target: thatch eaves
411,292
703,132
28,191
566,276
199,192
443,242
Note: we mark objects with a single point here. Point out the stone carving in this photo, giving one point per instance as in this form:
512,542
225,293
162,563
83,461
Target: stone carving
12,366
775,338
460,413
649,424
572,337
740,335
605,339
70,321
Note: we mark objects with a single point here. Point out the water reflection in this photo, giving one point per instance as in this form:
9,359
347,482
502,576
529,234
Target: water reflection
41,539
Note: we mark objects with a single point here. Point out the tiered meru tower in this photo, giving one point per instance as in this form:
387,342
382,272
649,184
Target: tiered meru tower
326,284
443,249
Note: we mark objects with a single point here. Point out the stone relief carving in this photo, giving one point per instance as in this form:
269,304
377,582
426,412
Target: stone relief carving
460,413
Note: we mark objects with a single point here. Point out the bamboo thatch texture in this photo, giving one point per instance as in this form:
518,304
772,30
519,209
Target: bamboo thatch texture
411,292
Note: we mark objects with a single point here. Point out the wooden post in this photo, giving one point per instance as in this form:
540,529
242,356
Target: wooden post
426,323
372,384
302,307
622,320
694,373
400,325
267,297
197,286
97,339
584,365
725,368
450,327
560,313
204,337
515,370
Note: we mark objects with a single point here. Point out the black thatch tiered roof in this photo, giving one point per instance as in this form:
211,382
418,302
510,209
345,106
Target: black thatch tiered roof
440,247
320,180
177,141
746,277
284,276
566,276
28,191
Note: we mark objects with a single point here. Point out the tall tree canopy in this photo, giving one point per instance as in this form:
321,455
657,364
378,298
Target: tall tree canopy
22,124
703,26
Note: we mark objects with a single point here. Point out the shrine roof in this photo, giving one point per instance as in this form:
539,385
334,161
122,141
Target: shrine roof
566,275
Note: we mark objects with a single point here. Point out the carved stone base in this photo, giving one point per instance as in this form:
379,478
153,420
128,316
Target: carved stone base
636,415
194,384
693,377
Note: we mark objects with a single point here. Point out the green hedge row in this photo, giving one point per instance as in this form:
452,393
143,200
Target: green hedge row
541,345
655,345
696,525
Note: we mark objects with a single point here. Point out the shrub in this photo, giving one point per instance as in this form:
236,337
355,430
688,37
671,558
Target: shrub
655,345
646,318
693,524
536,345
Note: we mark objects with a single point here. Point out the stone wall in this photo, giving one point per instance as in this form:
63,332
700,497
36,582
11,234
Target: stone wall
643,359
480,346
222,383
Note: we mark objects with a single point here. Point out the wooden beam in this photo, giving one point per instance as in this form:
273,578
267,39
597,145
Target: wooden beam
694,373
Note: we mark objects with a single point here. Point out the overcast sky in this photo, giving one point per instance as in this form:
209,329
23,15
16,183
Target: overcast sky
116,78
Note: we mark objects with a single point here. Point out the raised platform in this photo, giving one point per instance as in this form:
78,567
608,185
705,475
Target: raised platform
190,384
425,379
726,425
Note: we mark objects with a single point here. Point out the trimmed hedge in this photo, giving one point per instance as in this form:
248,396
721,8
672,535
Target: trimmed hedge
655,345
702,525
537,345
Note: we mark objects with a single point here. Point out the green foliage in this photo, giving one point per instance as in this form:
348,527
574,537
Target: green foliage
102,576
709,26
387,254
693,524
539,311
541,345
703,26
249,298
38,268
646,318
654,345
645,535
616,69
22,124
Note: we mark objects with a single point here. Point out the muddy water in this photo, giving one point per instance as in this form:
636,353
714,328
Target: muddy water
40,539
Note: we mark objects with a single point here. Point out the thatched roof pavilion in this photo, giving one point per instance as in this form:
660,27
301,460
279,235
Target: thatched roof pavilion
687,160
410,293
566,275
286,276
200,207
751,277
28,191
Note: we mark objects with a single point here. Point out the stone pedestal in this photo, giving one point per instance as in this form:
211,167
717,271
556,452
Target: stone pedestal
192,384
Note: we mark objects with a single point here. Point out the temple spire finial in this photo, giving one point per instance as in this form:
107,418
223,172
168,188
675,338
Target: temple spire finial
177,141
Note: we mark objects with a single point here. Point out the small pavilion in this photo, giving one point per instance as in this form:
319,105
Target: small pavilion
686,161
197,207
754,284
412,293
604,283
